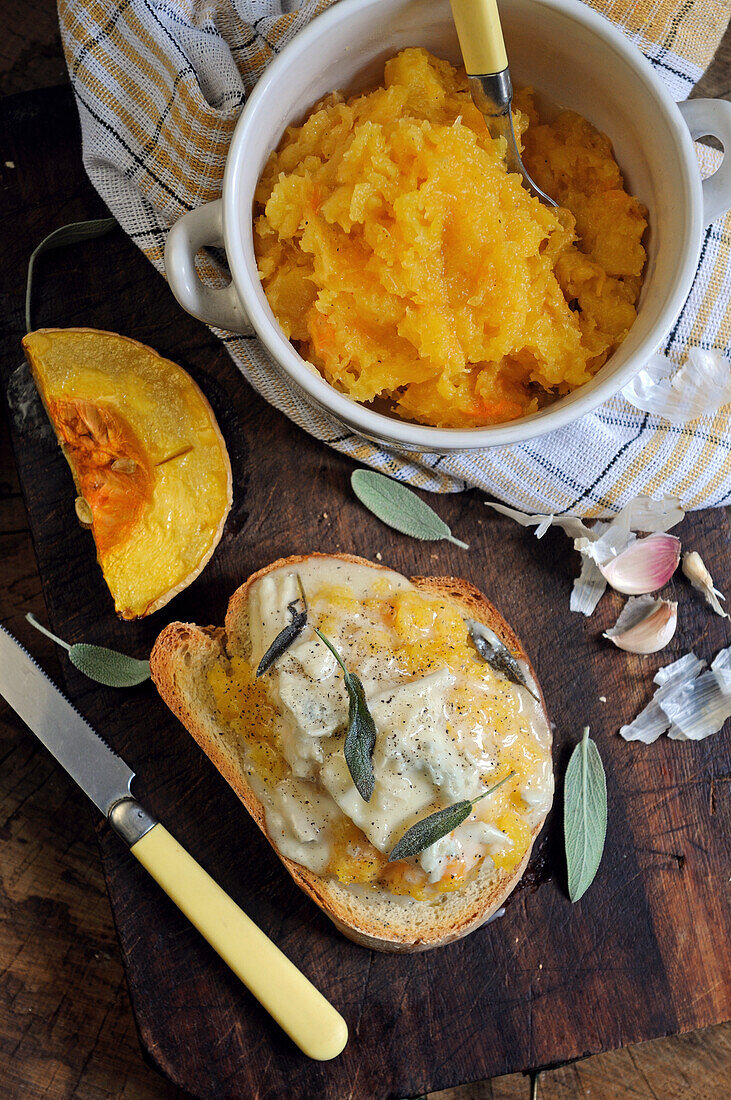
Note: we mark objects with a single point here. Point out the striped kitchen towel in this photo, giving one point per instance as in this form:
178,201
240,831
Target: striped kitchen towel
159,86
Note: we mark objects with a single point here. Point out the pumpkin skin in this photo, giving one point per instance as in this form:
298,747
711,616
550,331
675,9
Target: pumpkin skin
147,457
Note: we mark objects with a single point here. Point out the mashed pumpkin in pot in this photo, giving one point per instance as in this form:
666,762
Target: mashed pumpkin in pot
407,265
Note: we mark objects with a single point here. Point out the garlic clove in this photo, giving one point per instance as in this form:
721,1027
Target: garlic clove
695,570
604,541
607,541
645,625
644,566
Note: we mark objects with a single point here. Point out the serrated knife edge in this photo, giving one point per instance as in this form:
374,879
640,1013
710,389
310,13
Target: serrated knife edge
86,756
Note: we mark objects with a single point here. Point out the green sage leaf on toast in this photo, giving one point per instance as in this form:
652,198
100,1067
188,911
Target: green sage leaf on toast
284,639
360,738
497,655
432,828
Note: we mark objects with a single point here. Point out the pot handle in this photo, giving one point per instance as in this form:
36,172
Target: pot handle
712,117
218,306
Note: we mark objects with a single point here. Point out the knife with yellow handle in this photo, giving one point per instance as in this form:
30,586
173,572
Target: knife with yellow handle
301,1010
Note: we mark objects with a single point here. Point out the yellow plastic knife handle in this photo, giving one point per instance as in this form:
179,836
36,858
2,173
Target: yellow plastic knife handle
301,1010
480,36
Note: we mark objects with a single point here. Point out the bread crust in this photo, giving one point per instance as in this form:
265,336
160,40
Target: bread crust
178,663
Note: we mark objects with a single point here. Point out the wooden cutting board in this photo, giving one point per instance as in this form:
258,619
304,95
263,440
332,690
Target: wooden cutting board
639,956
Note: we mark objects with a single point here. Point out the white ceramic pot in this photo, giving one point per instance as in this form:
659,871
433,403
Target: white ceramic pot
566,51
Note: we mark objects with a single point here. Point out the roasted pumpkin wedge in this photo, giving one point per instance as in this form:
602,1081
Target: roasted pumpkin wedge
149,462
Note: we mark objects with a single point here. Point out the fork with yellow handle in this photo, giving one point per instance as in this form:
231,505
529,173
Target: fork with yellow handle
485,58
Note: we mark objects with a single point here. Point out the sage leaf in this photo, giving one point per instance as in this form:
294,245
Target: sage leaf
497,655
289,634
73,233
584,816
400,508
106,666
360,738
283,641
432,828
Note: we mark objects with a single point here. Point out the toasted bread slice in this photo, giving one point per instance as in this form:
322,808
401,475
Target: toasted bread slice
180,661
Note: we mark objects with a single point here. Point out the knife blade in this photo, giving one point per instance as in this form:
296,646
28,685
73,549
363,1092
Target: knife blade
97,769
283,990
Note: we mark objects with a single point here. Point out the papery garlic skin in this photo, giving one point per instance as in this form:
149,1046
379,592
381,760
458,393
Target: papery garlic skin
650,515
695,570
641,513
570,525
646,625
689,704
682,394
699,709
588,589
646,565
652,721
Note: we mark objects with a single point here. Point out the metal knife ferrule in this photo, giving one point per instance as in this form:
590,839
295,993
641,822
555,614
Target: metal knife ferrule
130,820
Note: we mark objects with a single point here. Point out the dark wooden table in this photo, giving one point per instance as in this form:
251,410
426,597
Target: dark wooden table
109,285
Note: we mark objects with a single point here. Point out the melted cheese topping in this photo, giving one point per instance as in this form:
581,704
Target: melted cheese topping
447,727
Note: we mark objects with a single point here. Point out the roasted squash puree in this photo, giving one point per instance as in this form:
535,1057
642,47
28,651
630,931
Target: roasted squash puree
407,265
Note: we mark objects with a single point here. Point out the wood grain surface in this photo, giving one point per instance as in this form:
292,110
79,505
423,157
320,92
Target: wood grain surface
65,1026
638,957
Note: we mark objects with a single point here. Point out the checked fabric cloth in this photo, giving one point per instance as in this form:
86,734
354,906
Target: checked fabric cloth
159,86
